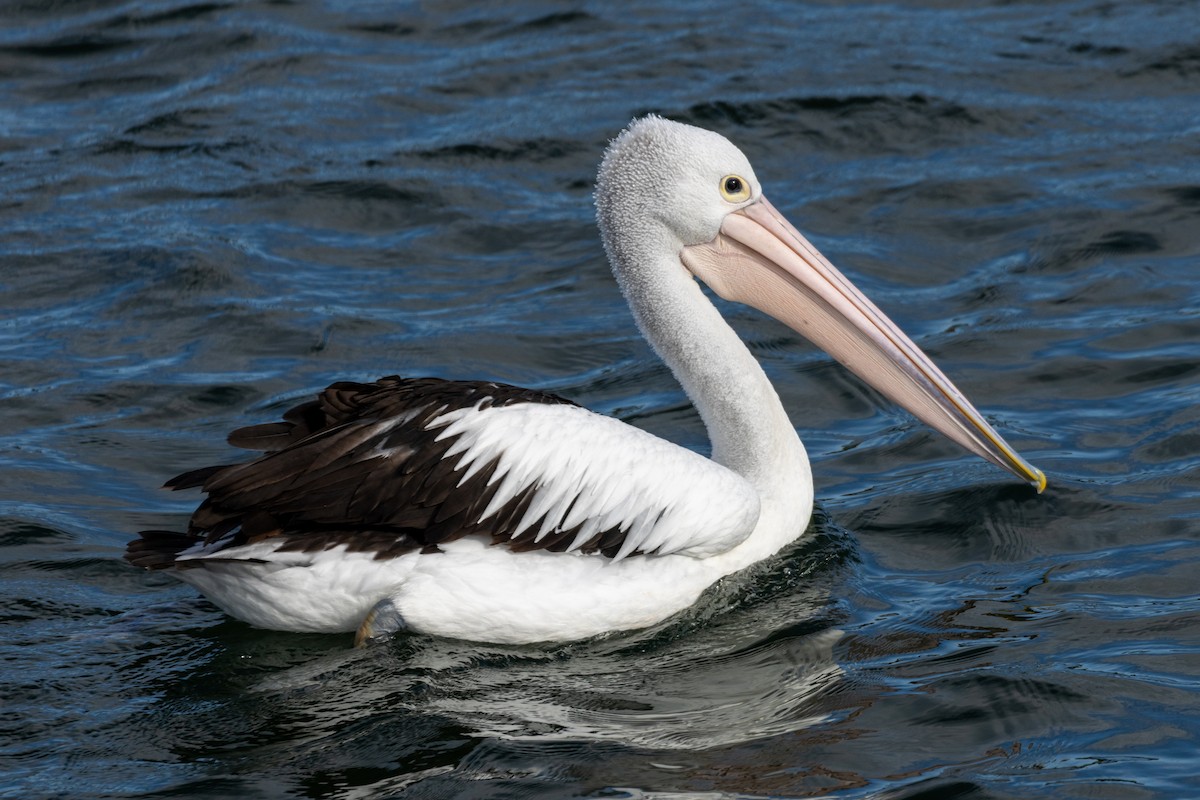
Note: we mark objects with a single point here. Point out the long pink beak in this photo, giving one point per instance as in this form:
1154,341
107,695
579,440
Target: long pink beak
759,259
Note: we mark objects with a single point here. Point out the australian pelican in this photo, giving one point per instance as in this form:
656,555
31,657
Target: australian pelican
483,511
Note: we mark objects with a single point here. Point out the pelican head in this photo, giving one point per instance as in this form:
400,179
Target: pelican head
674,197
672,177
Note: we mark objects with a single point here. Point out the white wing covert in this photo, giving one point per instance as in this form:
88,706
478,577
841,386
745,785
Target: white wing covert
597,473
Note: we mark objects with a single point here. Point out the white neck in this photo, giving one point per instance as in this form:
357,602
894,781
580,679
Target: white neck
749,429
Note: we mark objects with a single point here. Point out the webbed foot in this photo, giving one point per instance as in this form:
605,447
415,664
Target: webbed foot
381,621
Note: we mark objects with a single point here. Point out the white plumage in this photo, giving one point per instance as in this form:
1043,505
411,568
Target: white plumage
598,473
487,512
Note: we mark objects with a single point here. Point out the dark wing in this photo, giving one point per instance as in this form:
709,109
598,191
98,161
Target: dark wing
401,465
361,466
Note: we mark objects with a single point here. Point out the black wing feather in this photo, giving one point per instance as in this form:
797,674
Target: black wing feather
359,466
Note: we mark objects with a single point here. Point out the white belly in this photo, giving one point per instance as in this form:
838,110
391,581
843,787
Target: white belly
469,591
492,594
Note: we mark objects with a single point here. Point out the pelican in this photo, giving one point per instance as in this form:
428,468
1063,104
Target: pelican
492,513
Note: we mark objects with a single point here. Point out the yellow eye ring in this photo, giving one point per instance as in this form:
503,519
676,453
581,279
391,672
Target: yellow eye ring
735,188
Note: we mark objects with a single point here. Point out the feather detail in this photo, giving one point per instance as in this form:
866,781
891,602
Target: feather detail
398,465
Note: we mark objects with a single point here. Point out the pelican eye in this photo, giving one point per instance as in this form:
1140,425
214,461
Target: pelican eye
735,188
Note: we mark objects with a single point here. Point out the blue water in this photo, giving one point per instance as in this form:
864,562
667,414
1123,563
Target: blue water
209,211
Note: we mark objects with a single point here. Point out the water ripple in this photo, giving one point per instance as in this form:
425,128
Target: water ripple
213,209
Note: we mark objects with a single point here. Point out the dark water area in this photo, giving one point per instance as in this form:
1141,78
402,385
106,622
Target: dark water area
210,210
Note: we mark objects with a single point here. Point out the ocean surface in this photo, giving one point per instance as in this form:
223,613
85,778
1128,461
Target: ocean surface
209,211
